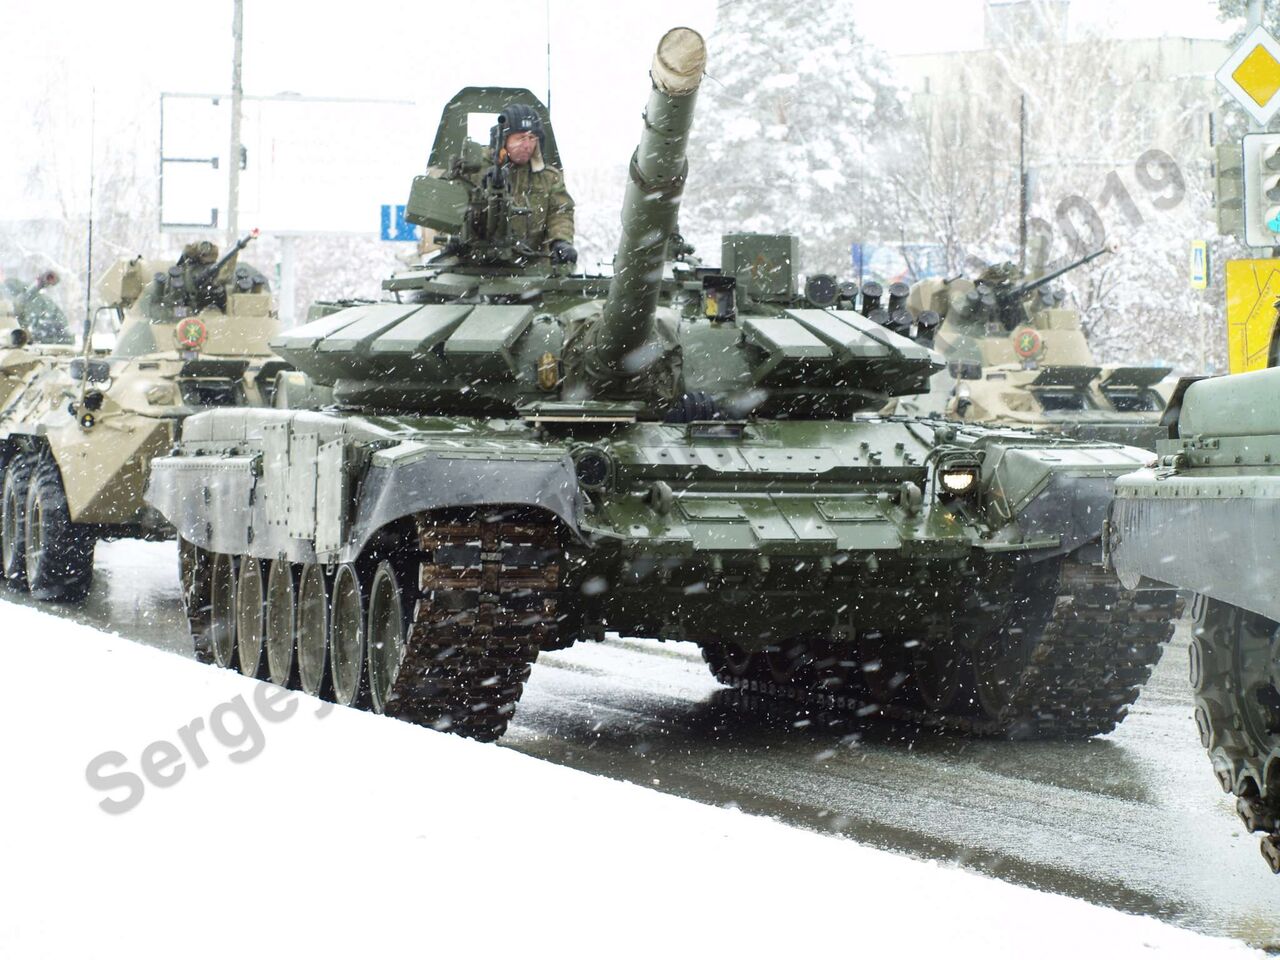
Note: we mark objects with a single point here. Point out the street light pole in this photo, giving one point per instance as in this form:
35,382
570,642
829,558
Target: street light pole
237,92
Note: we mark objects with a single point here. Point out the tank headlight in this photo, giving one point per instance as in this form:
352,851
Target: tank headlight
959,480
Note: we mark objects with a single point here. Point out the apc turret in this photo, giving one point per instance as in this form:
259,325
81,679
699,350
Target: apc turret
1017,355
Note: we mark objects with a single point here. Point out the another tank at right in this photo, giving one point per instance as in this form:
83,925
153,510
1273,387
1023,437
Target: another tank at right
1017,356
1206,518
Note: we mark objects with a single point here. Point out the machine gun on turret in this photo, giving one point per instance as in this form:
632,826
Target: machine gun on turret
997,297
465,198
193,283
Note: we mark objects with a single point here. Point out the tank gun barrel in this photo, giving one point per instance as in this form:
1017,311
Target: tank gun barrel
652,201
1031,286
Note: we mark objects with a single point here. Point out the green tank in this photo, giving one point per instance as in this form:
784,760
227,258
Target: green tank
1206,518
1017,355
518,457
78,429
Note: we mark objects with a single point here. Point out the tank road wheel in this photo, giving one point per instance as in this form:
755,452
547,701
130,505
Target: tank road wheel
250,602
281,621
941,669
789,664
999,663
313,631
59,552
195,572
13,519
730,663
386,635
1235,673
222,610
346,636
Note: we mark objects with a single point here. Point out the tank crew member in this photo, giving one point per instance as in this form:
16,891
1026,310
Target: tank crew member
535,185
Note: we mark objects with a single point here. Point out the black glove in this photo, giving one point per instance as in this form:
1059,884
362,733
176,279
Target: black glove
563,252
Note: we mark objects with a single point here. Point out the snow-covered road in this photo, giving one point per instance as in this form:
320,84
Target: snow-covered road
263,823
1133,820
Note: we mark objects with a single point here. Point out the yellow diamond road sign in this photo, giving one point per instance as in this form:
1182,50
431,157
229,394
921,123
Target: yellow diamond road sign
1252,75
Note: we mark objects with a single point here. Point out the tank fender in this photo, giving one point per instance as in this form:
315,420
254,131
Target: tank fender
1056,491
403,481
1073,508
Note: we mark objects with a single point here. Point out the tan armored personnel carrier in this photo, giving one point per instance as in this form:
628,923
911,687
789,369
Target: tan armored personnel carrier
78,428
32,326
1016,355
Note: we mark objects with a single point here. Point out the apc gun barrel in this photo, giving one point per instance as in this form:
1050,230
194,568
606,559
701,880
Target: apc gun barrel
652,201
210,273
1023,289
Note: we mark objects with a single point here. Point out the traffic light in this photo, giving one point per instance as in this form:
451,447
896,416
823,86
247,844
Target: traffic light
1228,189
1262,189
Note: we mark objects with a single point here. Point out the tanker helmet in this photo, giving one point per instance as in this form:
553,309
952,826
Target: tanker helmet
518,118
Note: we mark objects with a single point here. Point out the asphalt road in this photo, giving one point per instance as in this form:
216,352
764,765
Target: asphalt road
1133,820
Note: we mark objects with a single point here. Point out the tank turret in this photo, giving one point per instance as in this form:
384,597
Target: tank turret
492,326
652,202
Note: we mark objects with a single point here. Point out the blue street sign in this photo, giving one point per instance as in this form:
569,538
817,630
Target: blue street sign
1199,265
393,225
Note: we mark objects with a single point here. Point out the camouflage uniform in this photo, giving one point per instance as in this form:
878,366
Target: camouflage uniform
540,189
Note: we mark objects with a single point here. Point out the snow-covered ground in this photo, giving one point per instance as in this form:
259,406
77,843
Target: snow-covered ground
285,828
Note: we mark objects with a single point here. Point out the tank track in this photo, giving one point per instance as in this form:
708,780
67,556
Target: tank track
1096,648
485,604
1238,713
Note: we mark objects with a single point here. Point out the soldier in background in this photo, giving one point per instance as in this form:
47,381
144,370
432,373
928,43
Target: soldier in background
535,186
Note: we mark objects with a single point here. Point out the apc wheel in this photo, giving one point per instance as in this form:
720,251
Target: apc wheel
222,610
195,572
386,635
1235,673
13,520
59,553
313,631
250,601
281,621
346,636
